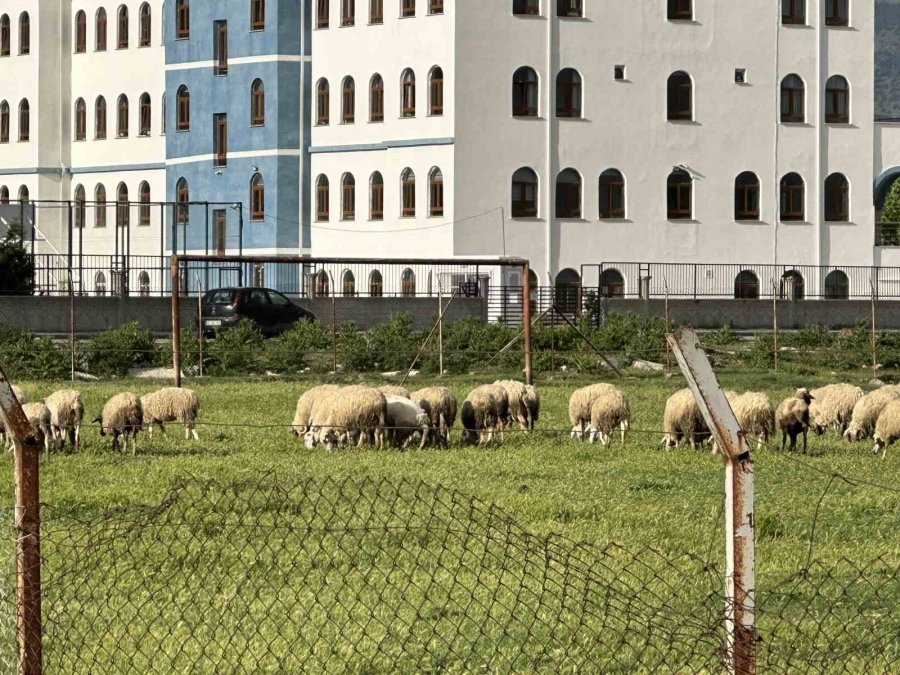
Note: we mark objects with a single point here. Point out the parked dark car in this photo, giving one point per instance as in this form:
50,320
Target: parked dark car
270,311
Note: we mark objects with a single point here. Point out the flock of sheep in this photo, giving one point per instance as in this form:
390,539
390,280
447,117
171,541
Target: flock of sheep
59,416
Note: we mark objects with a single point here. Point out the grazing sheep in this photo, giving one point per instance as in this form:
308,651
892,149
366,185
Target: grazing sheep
609,411
515,402
792,418
66,415
866,412
887,429
580,403
351,412
404,419
22,398
832,407
394,390
755,415
172,404
440,405
123,415
480,414
532,402
38,416
682,419
305,403
502,400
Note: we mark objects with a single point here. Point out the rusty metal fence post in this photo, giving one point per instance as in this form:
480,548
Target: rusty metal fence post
27,528
526,320
740,562
176,322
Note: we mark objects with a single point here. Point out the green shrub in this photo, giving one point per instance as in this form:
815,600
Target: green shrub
190,351
235,351
24,357
289,352
468,342
723,336
114,352
394,344
353,349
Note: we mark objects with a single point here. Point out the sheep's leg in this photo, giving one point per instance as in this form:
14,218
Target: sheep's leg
624,429
783,440
195,434
804,441
359,443
425,432
77,437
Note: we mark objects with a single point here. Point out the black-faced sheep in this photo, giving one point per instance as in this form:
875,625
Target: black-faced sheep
792,418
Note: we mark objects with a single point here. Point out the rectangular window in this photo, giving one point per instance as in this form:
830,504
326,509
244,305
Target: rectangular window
220,231
407,8
436,197
322,13
837,13
377,211
680,10
792,202
376,11
182,20
145,117
793,12
348,201
144,213
526,7
322,202
435,6
569,8
348,12
258,15
619,72
220,139
220,29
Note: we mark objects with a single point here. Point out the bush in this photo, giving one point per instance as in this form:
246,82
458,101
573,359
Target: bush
468,342
236,350
393,345
353,349
190,351
24,357
289,352
114,352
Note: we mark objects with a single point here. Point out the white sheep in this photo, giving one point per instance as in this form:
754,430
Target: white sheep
532,402
352,412
66,414
792,417
682,419
887,429
580,403
122,415
172,404
480,416
502,401
517,411
22,398
38,416
609,411
305,403
866,412
755,415
394,390
404,419
832,407
440,405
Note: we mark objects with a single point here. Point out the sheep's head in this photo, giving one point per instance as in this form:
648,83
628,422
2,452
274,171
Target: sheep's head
803,394
329,438
470,437
818,429
99,420
309,439
853,433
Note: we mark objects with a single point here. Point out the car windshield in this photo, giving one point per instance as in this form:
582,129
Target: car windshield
220,297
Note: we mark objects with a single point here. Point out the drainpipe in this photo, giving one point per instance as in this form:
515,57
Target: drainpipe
820,136
549,176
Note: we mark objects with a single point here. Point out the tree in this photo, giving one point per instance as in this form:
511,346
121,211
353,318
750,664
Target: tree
16,264
891,211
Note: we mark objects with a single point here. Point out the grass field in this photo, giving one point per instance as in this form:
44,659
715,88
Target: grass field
637,497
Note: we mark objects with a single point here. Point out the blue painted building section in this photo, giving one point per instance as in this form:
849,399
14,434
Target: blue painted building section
276,150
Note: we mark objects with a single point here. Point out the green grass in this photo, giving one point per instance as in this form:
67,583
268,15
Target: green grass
386,573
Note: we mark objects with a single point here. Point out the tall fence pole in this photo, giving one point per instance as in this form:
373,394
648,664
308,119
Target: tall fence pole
72,351
775,323
874,337
28,530
740,554
526,319
440,329
176,323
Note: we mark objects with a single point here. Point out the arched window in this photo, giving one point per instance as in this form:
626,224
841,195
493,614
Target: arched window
376,99
612,284
408,283
4,122
612,194
680,10
837,12
24,34
122,117
257,14
407,8
746,286
793,93
182,199
144,208
4,35
322,198
144,115
435,192
567,291
122,28
525,93
322,7
4,195
837,198
526,7
408,93
257,104
24,120
144,284
837,286
569,8
323,285
145,27
123,216
100,29
348,12
568,93
183,109
78,215
348,283
746,196
348,197
408,193
182,19
837,100
680,96
679,195
80,32
257,197
100,284
322,101
792,285
100,118
23,194
524,193
348,101
792,197
793,12
80,120
100,206
568,194
376,284
436,92
376,197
